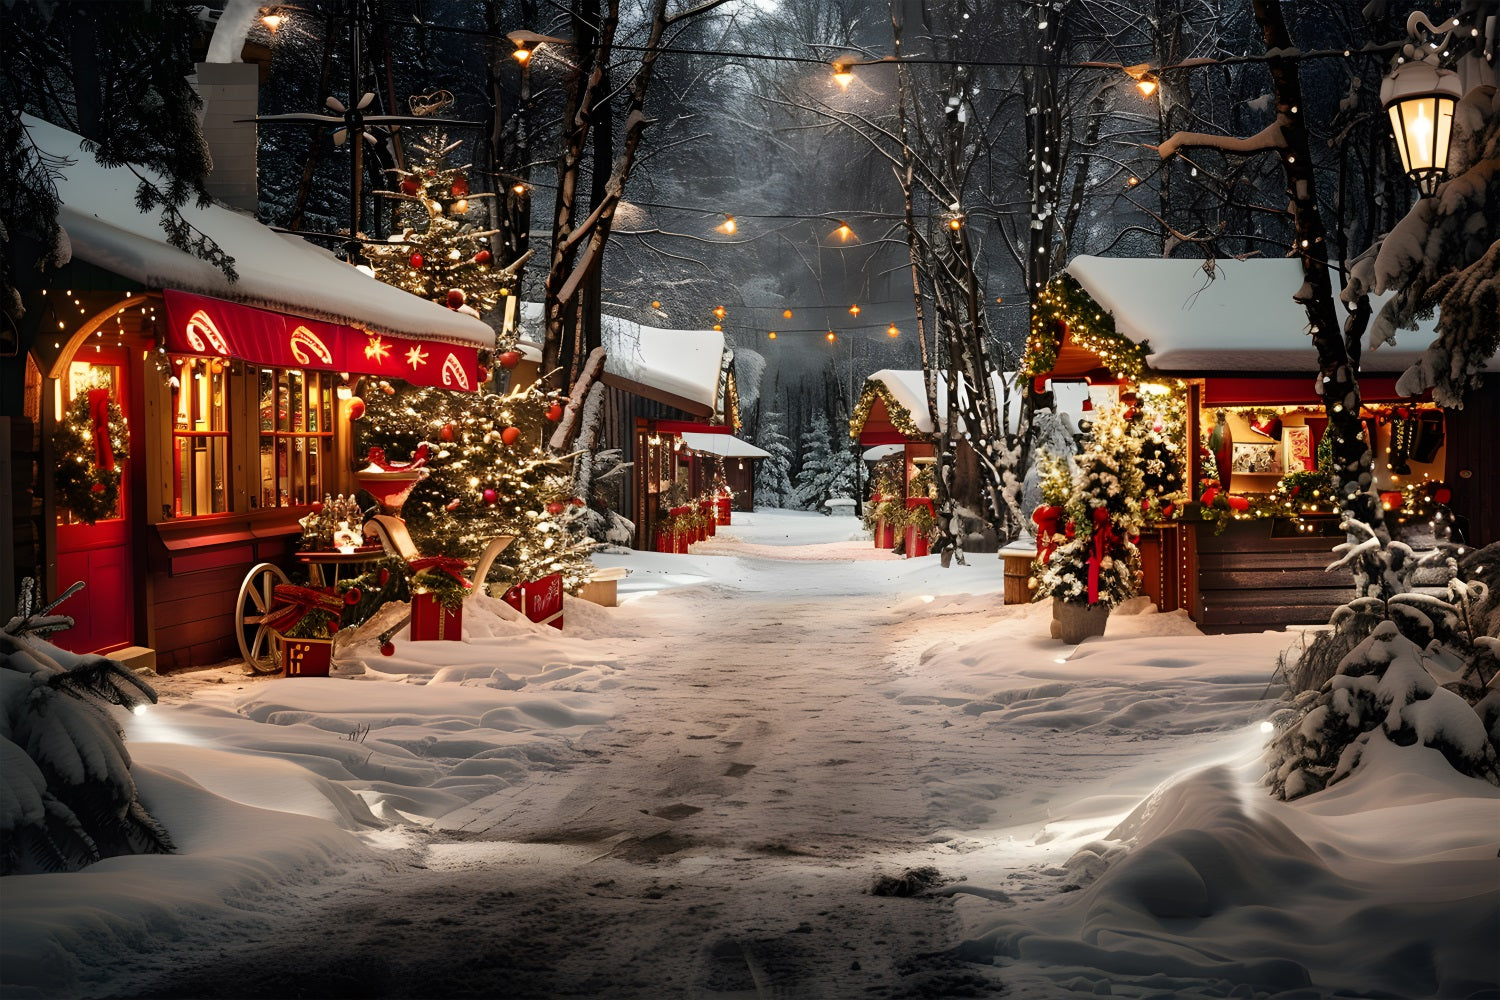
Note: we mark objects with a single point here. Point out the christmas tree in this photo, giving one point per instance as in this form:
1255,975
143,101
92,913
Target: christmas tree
773,476
488,473
440,254
825,473
1097,564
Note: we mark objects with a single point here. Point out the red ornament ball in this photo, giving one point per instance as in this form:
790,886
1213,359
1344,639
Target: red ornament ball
460,187
317,506
410,185
1442,495
356,408
387,649
352,596
446,433
509,359
455,297
490,496
555,412
97,488
482,257
417,260
1239,504
510,435
556,508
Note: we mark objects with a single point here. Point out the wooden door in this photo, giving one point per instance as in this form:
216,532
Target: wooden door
99,554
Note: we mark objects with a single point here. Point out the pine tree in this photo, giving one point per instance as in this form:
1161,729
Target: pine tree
489,473
440,251
773,475
819,467
1103,512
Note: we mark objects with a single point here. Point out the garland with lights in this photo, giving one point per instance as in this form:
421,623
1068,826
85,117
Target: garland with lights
90,442
1066,310
899,415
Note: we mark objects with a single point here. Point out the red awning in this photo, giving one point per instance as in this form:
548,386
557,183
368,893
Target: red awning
1229,390
197,324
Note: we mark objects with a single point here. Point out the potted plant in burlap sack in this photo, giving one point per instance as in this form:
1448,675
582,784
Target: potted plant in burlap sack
1095,566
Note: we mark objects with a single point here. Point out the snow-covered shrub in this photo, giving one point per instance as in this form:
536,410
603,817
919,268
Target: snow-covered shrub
1381,689
67,798
598,478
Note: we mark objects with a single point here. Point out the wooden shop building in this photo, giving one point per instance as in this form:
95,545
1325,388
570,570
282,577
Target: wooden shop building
1229,341
236,396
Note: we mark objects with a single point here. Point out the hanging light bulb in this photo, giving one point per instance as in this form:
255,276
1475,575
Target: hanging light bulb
786,314
720,312
771,335
891,331
830,336
843,232
842,74
728,226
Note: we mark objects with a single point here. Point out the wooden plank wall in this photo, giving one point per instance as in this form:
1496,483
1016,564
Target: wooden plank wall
1250,580
1472,463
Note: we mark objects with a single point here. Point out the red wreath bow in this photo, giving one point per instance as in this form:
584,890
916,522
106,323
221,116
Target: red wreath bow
454,567
104,449
291,603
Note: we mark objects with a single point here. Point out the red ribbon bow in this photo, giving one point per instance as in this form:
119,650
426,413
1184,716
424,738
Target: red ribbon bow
1046,517
1105,541
291,603
104,450
454,567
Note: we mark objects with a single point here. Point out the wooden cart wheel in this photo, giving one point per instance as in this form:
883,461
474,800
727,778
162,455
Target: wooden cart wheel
255,637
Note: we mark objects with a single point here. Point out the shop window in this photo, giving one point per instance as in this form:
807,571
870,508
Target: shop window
79,422
296,436
200,437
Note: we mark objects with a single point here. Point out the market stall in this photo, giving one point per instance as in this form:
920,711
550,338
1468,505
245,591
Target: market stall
1225,348
225,404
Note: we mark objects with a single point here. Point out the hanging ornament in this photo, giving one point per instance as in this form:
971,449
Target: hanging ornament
455,297
510,435
482,257
446,433
356,408
352,596
1267,425
555,507
410,185
417,260
555,412
490,496
1404,428
509,359
460,187
387,649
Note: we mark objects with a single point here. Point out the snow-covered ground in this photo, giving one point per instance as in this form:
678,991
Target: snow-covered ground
692,794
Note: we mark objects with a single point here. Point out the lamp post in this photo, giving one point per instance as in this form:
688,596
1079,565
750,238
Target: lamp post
1420,95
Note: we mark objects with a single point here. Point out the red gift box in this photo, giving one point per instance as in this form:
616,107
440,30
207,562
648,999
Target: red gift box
723,509
885,535
539,600
305,657
916,542
665,541
430,620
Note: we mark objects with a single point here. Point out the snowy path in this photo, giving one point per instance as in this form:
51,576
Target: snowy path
758,773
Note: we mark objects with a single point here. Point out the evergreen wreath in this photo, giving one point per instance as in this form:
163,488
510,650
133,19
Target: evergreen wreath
90,491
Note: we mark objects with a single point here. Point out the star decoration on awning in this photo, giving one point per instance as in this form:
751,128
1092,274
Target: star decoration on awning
416,357
376,350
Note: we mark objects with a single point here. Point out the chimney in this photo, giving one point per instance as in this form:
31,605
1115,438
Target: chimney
231,98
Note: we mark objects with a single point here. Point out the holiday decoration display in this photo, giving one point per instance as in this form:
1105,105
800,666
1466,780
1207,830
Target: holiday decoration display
91,441
885,499
1095,565
477,486
439,254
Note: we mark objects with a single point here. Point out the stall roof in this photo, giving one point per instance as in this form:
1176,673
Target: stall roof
277,272
906,389
679,368
723,445
1244,320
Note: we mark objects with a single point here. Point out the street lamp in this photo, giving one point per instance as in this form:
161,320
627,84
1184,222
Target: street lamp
1420,95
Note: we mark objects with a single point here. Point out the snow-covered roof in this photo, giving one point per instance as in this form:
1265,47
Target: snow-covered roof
905,387
723,445
677,367
1243,320
277,272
